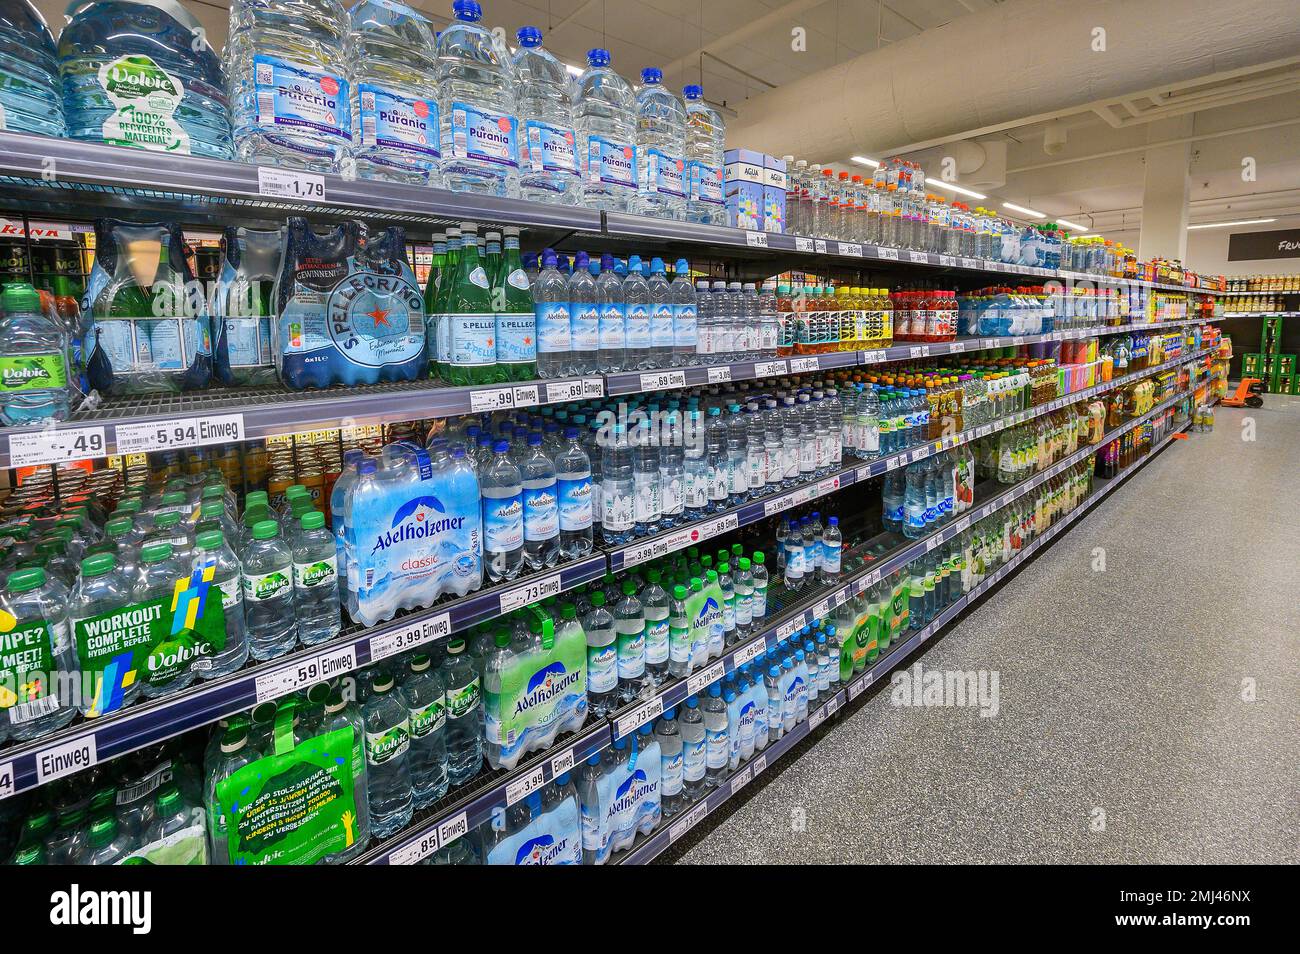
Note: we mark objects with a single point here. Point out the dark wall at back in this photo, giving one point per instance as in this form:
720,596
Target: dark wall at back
1249,246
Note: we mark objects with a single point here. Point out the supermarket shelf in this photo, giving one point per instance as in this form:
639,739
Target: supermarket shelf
1258,293
1260,314
89,742
648,848
176,421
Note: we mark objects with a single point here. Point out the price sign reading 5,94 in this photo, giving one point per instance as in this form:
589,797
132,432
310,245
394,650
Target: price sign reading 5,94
179,432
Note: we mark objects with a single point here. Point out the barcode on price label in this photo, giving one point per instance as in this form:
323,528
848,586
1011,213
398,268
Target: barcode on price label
557,391
719,375
663,380
290,184
889,254
525,785
756,239
533,591
494,399
179,432
705,677
751,651
822,609
416,634
56,446
800,365
765,369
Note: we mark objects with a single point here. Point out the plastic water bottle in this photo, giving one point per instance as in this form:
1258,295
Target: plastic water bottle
285,65
791,443
704,323
36,604
605,112
773,446
697,473
618,489
737,457
893,501
33,357
694,751
744,589
655,609
315,581
464,714
391,58
745,331
723,339
541,508
611,343
629,624
705,143
831,547
268,593
30,97
648,504
662,339
668,735
661,148
427,713
681,295
769,323
212,550
551,296
388,741
717,740
574,493
503,515
143,75
584,318
476,107
760,585
914,501
548,156
602,658
636,295
726,586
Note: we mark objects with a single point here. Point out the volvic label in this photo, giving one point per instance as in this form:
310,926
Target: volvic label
391,121
317,573
485,136
549,148
33,372
427,718
295,95
145,98
461,701
390,744
611,162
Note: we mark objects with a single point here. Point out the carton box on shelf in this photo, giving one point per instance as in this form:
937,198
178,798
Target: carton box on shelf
774,184
744,188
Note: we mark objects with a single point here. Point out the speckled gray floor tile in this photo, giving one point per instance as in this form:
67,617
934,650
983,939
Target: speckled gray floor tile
1121,692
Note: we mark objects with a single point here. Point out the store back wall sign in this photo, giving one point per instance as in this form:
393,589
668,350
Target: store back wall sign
1280,243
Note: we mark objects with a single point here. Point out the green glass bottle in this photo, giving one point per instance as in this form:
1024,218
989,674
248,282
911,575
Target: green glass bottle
440,343
516,322
471,323
432,287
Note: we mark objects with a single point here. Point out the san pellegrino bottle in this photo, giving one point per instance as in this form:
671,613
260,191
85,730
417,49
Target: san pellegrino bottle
516,323
471,322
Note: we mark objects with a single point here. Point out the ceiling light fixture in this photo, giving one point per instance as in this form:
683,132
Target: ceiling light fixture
1023,211
1072,225
863,160
960,190
1220,225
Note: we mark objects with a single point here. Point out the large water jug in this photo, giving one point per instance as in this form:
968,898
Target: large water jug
661,148
476,107
350,308
243,309
605,114
548,145
394,96
705,142
31,100
149,328
290,101
141,73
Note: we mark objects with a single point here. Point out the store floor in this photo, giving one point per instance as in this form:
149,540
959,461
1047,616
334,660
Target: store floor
1120,692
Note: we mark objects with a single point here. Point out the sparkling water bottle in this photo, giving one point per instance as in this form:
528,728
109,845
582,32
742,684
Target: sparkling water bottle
668,735
655,608
717,740
694,751
388,740
548,148
605,112
661,148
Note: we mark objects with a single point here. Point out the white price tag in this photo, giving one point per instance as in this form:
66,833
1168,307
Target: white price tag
416,634
933,542
816,719
855,689
706,677
749,652
872,578
557,391
562,762
777,504
56,446
914,351
851,248
764,369
992,343
828,486
531,591
957,347
650,709
741,779
947,261
759,764
7,784
453,828
719,526
66,759
875,357
416,851
593,387
888,254
962,525
526,395
790,627
803,245
307,672
179,432
969,263
525,785
693,818
493,399
756,239
650,550
919,257
800,365
290,184
720,375
1018,340
663,380
822,609
819,246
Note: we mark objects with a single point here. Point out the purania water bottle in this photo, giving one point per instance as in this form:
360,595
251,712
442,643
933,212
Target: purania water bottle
705,143
605,113
141,74
286,71
548,146
661,148
31,100
33,359
476,106
394,103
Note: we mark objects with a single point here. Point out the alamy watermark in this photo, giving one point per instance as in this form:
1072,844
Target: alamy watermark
948,688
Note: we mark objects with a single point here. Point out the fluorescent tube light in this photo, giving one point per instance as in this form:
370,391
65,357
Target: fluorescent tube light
1023,211
1220,225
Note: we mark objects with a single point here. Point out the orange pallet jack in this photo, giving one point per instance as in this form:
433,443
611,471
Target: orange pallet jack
1247,394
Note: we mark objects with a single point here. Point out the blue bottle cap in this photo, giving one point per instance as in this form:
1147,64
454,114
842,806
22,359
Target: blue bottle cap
693,702
570,433
644,730
548,259
467,10
633,263
833,521
534,802
534,439
598,57
562,778
607,262
715,690
682,266
593,759
529,36
657,265
652,75
580,260
774,672
500,447
671,714
693,91
620,743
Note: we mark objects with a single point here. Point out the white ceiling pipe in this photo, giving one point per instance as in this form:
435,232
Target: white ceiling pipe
1038,58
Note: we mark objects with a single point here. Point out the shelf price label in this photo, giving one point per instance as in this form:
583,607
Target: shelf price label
875,357
947,261
491,399
562,762
969,263
66,759
819,246
920,258
765,369
822,609
790,627
178,433
558,391
290,184
533,591
526,395
663,380
749,652
525,785
756,239
693,818
416,634
417,850
915,351
650,709
56,446
706,677
828,486
857,688
741,779
650,550
800,365
7,786
887,254
851,248
803,244
957,347
720,375
308,672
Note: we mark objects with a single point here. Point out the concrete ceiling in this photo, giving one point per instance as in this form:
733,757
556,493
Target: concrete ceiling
740,49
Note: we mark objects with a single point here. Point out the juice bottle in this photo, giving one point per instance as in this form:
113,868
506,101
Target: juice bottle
788,323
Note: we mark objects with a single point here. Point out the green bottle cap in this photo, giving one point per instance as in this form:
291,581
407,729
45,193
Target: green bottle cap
97,565
266,530
598,598
629,588
172,498
22,581
156,553
210,540
679,592
169,519
118,526
569,611
744,564
313,520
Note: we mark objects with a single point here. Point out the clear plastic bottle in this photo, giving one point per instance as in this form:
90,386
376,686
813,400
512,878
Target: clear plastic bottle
636,295
34,373
629,624
611,342
387,718
685,319
315,581
501,486
661,316
212,549
655,609
476,107
160,569
268,593
648,488
705,143
549,162
551,296
30,98
661,148
602,658
717,739
584,318
101,588
391,62
37,609
831,547
574,492
425,695
541,508
286,72
618,489
605,113
668,735
464,733
672,472
694,751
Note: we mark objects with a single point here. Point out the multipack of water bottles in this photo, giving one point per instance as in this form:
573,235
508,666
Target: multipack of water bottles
369,91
